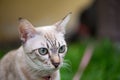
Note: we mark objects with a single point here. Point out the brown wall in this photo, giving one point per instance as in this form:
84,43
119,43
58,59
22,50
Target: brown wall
39,12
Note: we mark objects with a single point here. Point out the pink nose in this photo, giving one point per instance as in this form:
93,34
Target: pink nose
56,64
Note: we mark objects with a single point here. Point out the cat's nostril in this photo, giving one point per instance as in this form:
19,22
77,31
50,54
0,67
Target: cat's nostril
56,64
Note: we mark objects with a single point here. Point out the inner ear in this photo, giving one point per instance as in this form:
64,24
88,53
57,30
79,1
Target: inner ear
26,29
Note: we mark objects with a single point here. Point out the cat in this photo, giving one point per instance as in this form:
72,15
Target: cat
41,55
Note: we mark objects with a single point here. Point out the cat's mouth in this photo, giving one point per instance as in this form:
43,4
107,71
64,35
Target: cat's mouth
47,77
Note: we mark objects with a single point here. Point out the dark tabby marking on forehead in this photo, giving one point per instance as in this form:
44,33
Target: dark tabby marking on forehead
58,44
47,45
52,40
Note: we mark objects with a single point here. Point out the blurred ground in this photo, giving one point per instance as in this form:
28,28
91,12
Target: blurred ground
104,64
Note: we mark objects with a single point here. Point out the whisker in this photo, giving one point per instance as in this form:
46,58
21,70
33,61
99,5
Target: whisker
67,65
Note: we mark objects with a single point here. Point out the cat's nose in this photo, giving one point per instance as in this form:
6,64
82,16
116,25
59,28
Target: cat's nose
56,64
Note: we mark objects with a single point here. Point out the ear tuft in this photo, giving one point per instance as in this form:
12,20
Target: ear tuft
69,14
60,25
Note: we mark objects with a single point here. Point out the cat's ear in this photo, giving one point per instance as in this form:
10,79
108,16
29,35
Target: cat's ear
60,25
26,29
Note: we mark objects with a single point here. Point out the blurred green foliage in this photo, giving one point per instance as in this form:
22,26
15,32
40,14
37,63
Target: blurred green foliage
1,54
104,64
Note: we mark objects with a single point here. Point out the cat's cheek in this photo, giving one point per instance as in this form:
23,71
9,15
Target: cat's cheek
45,57
61,64
62,56
47,62
61,60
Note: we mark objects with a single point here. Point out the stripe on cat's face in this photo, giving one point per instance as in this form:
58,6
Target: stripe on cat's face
44,47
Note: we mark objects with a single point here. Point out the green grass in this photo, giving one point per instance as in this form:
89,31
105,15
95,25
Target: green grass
104,64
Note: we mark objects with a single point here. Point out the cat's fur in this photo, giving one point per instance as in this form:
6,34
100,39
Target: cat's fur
26,63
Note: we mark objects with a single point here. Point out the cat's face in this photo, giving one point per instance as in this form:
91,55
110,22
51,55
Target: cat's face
47,48
44,47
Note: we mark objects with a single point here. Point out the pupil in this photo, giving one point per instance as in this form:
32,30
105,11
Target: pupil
43,50
62,49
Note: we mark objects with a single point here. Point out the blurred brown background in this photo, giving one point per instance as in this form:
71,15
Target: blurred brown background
39,12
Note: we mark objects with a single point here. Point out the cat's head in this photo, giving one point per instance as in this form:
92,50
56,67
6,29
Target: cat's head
44,47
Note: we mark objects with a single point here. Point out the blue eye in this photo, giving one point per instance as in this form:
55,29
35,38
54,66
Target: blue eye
43,51
61,49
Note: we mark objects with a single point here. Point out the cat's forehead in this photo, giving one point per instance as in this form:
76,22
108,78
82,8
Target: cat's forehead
49,32
45,29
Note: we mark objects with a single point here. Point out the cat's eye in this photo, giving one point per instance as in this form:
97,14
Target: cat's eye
61,49
43,51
